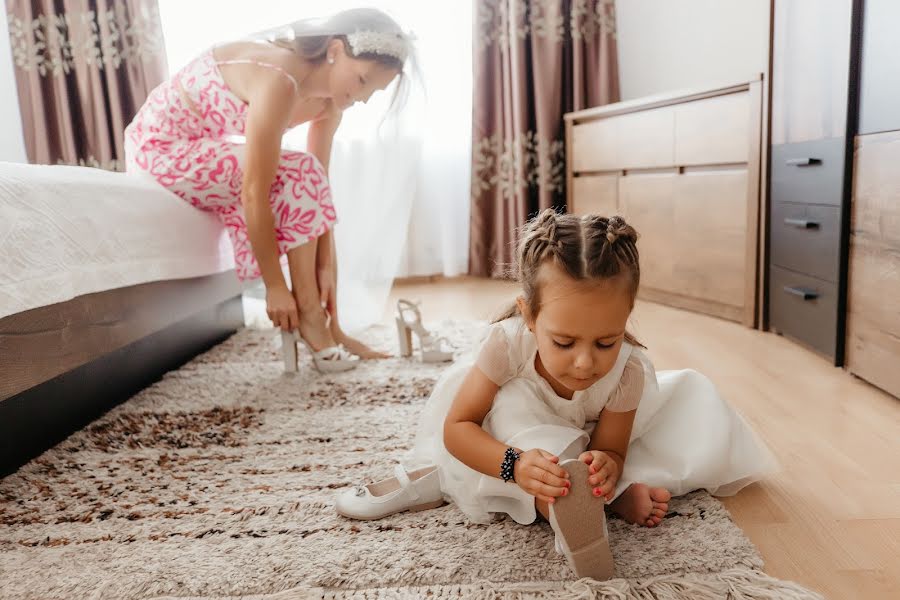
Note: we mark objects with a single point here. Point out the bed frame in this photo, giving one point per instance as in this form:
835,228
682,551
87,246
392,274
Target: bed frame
62,366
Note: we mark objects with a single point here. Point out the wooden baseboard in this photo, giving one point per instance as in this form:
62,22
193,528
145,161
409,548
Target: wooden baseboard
716,309
419,279
424,279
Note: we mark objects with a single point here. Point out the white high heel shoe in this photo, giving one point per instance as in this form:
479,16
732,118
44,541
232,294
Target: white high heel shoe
334,359
433,349
579,522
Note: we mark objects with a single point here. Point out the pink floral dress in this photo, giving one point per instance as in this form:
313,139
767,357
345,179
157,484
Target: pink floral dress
181,137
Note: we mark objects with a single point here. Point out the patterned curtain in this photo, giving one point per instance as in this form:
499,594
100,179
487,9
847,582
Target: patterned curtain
83,69
534,61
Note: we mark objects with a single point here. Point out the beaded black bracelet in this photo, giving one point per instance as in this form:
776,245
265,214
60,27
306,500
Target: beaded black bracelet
507,467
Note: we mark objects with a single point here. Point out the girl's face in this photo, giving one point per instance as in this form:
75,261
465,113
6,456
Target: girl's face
354,80
579,327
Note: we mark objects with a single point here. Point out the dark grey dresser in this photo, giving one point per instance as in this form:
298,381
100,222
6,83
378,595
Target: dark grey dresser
813,120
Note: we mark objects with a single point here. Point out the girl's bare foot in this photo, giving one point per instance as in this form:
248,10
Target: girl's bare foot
642,505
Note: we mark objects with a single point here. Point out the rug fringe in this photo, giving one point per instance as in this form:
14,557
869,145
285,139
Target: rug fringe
734,584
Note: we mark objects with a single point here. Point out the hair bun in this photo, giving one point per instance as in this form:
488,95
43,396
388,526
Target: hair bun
617,228
545,224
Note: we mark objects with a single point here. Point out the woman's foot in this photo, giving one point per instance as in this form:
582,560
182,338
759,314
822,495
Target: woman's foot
314,327
642,505
358,348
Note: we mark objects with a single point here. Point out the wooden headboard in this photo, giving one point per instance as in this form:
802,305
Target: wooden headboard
684,170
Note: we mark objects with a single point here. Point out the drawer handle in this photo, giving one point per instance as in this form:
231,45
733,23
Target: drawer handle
805,293
801,223
803,162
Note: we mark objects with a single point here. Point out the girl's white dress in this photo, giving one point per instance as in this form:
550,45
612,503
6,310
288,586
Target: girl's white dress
685,436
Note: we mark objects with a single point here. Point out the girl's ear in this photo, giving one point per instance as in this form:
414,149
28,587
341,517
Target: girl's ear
525,312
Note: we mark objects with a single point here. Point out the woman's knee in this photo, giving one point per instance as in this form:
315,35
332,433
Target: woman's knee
297,164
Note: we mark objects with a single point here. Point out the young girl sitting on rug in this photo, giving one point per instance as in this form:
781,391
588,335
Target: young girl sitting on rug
543,416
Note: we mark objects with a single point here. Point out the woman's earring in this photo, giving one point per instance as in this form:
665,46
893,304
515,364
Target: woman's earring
330,60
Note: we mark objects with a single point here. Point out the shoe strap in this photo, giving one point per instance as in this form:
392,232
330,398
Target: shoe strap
408,307
412,307
405,483
334,353
433,342
429,341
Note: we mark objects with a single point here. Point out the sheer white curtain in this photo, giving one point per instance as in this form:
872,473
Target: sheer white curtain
401,185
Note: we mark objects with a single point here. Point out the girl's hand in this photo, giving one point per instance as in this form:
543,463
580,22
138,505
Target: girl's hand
604,473
282,308
538,473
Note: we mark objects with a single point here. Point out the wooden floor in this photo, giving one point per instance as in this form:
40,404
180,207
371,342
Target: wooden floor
831,519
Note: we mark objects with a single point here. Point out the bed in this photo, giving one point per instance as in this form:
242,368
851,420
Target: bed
107,281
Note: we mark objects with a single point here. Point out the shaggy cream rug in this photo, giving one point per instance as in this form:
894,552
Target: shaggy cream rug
219,482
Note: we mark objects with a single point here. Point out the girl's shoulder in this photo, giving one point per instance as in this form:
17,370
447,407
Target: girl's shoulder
504,349
622,388
637,360
635,354
512,326
516,332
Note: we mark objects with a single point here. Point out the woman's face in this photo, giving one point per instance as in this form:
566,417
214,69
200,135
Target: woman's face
353,80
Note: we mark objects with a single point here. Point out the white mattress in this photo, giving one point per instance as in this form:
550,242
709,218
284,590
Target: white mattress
69,231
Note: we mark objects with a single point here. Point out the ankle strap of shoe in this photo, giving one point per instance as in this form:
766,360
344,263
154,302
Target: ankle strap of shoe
405,483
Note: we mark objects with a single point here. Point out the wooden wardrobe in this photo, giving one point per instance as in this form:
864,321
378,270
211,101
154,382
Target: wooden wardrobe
873,303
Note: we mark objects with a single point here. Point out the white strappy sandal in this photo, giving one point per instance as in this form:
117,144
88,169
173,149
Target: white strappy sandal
334,359
434,349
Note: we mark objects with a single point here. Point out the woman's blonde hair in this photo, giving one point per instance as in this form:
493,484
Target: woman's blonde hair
588,248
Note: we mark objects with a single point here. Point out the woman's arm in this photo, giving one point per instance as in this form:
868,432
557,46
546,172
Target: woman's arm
269,109
320,137
269,112
318,143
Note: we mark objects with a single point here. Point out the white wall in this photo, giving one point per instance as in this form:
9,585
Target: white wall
667,45
12,144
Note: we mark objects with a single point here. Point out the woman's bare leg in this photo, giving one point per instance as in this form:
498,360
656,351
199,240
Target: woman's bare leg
313,327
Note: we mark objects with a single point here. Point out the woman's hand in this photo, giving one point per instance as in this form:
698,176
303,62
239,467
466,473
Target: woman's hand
538,473
604,473
282,308
327,288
